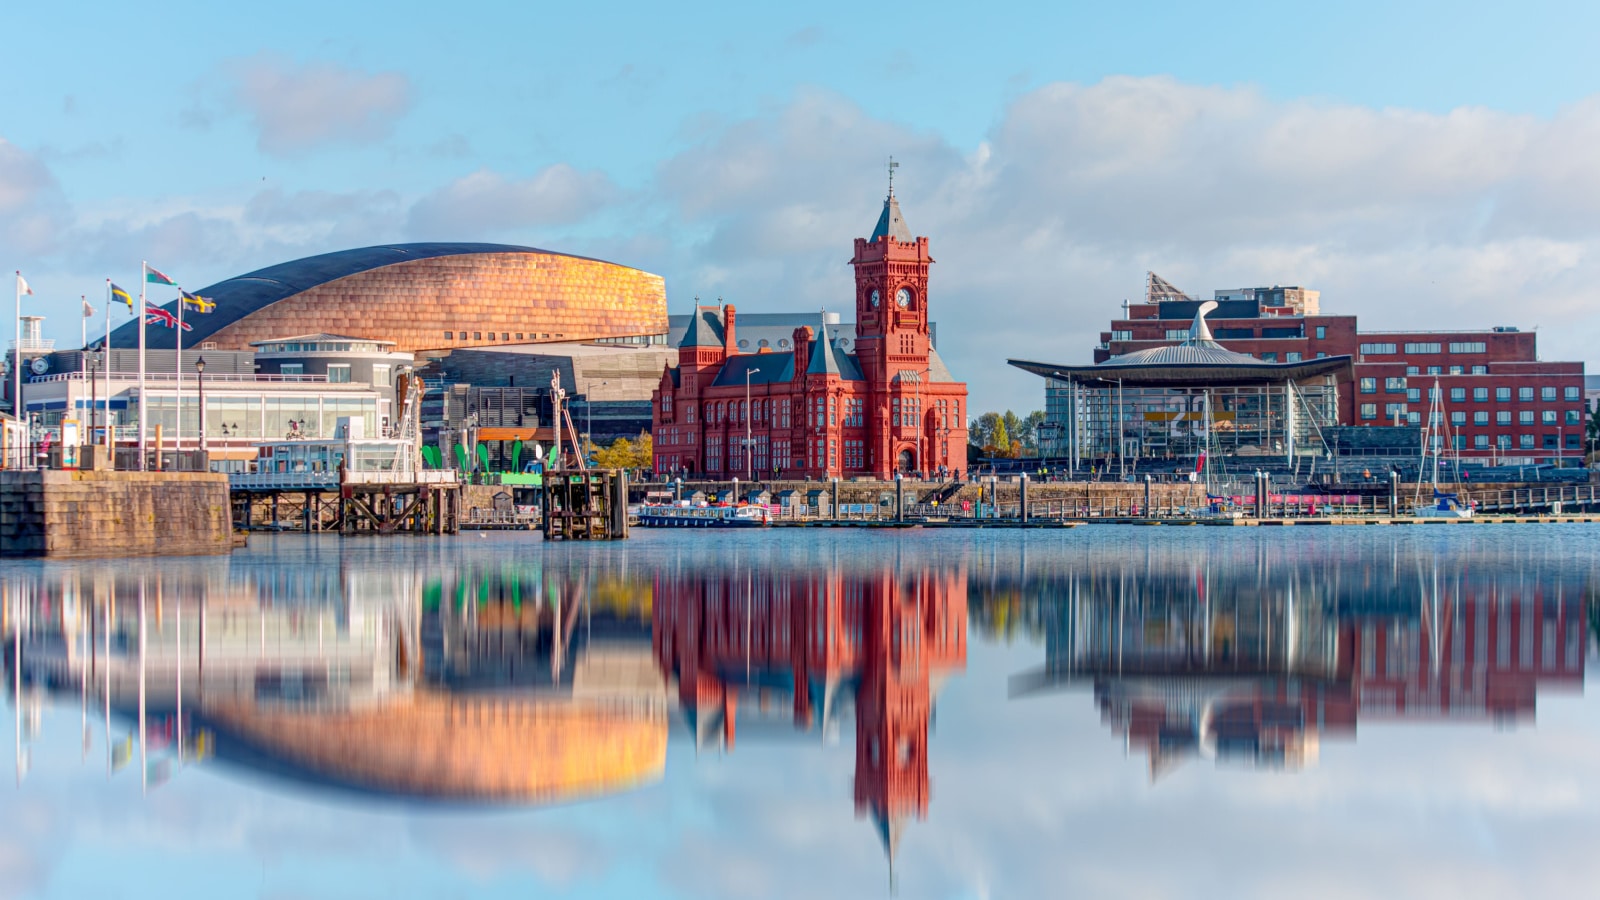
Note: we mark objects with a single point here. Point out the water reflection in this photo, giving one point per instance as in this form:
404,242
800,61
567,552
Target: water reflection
760,678
481,683
1255,659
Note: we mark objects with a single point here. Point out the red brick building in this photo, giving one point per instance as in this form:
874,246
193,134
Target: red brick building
887,405
792,650
1500,401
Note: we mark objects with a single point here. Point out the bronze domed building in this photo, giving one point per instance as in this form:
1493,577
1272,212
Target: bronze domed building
423,297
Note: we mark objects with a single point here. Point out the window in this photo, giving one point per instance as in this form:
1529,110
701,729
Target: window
519,335
1503,441
1480,442
1435,370
1458,418
1127,335
1458,395
1503,417
1574,441
449,336
1455,370
1574,417
1502,394
1321,355
1548,416
1394,385
1414,394
477,335
339,374
292,370
1369,410
1390,410
1369,385
1480,370
1269,357
1469,347
505,335
1322,332
1292,356
1376,349
1525,417
1573,393
1414,418
1173,334
1481,417
1525,442
688,414
1422,348
380,375
1413,370
1550,442
1525,394
1480,395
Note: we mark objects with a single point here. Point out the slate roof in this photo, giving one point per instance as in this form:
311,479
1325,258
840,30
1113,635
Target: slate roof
891,223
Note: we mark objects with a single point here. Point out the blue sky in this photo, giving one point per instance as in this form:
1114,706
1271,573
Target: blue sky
1423,165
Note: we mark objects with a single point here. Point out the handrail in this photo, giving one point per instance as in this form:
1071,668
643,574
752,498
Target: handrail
189,378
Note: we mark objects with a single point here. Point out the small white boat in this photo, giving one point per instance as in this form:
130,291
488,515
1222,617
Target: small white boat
682,515
1445,506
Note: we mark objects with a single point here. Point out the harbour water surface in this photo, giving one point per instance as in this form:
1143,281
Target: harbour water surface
1107,712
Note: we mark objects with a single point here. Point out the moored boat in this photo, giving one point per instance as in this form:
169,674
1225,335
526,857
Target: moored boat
661,515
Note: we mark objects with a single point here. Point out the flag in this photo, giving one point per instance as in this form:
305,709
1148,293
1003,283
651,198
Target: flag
22,286
120,294
88,311
199,303
155,276
155,315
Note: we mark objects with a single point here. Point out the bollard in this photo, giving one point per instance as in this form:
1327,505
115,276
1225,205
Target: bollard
1022,509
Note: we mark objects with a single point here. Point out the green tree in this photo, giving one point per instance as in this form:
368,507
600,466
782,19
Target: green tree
1000,438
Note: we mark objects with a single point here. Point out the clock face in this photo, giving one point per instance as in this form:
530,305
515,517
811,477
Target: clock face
875,298
903,298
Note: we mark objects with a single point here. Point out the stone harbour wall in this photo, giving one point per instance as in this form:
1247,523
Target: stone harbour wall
109,514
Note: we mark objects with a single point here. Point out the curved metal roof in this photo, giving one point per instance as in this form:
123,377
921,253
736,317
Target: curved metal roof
251,292
1179,373
1187,353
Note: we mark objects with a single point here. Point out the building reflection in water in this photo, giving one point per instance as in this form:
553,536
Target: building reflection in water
1256,660
800,647
472,683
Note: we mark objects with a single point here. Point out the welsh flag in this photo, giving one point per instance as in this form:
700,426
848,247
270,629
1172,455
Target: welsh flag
156,276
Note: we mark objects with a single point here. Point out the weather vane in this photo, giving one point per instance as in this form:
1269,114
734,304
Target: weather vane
892,166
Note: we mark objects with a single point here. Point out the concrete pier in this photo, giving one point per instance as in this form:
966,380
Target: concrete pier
107,514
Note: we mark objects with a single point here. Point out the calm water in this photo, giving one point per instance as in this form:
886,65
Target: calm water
1107,712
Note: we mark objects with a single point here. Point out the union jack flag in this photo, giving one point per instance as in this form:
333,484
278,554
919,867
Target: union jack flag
158,316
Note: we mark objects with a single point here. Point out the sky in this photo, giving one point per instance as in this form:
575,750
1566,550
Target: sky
1425,165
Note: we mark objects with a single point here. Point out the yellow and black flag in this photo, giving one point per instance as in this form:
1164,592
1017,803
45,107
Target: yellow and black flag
198,303
122,296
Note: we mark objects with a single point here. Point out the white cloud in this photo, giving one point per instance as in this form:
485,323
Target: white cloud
1468,218
31,206
296,109
487,202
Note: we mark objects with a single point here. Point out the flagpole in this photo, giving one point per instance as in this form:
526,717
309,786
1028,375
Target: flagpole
177,418
16,367
144,402
106,346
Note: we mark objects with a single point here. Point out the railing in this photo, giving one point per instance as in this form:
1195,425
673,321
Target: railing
270,480
188,378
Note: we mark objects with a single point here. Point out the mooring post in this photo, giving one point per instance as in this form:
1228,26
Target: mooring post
1394,493
1022,499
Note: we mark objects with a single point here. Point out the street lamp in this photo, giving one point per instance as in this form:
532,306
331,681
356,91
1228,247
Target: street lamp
94,393
200,376
749,441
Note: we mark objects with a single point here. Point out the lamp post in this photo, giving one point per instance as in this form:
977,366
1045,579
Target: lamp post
749,440
200,377
94,393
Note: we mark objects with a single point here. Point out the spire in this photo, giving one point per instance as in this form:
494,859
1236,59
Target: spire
891,223
822,359
700,333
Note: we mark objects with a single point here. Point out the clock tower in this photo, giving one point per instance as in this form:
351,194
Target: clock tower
891,296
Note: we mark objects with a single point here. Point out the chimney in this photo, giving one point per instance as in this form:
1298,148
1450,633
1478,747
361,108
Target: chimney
729,344
802,350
